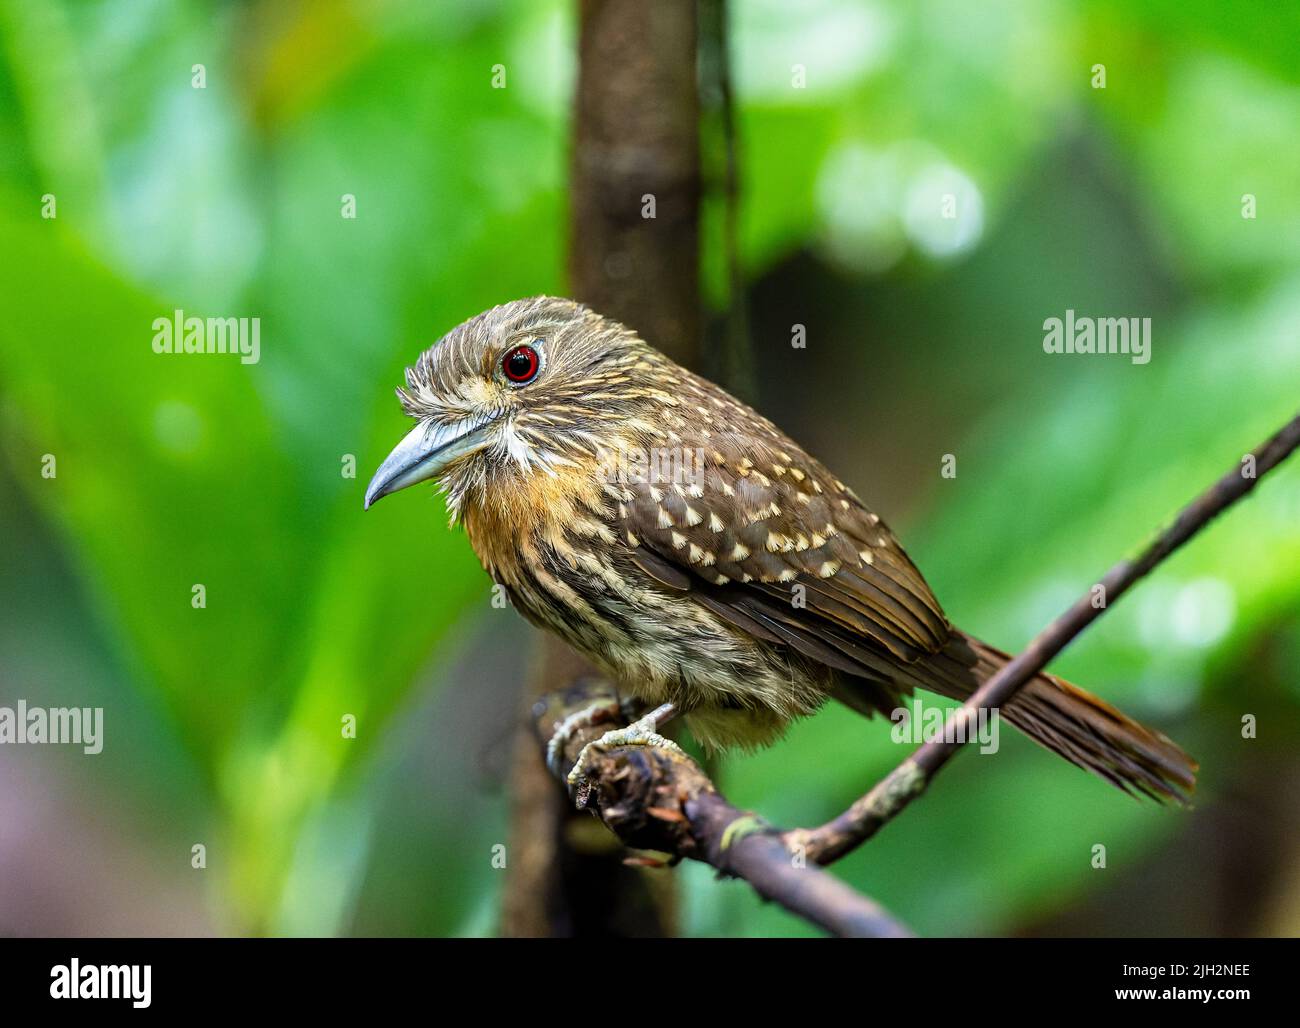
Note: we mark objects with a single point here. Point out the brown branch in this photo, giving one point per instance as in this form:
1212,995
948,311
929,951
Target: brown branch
635,132
636,143
907,781
661,800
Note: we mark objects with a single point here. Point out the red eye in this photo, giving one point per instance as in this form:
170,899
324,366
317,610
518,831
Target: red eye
520,365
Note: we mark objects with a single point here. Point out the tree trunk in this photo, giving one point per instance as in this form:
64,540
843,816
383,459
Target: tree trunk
633,255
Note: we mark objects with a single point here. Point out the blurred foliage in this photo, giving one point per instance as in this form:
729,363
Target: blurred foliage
175,471
226,201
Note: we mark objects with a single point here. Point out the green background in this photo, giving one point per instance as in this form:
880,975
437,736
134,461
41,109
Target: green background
924,338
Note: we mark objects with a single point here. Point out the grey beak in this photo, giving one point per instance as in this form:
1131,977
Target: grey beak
423,454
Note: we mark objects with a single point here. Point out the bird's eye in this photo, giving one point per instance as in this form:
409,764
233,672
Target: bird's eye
521,365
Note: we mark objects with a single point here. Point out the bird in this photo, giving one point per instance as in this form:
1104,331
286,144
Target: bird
693,551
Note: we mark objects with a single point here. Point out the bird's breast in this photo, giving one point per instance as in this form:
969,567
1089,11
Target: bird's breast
569,570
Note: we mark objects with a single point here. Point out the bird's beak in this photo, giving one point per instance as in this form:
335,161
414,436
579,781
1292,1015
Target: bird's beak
424,453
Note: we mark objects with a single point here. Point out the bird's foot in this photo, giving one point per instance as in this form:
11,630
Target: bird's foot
639,733
588,717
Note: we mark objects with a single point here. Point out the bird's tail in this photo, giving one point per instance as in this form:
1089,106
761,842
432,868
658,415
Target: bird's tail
1083,729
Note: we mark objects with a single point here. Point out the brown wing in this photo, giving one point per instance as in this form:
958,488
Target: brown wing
766,538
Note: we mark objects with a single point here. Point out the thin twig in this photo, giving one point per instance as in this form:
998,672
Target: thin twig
862,820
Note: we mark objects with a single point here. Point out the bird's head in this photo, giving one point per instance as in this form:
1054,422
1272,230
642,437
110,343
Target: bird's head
529,387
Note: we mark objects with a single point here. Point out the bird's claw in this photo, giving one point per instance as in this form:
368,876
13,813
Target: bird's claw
588,716
638,733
